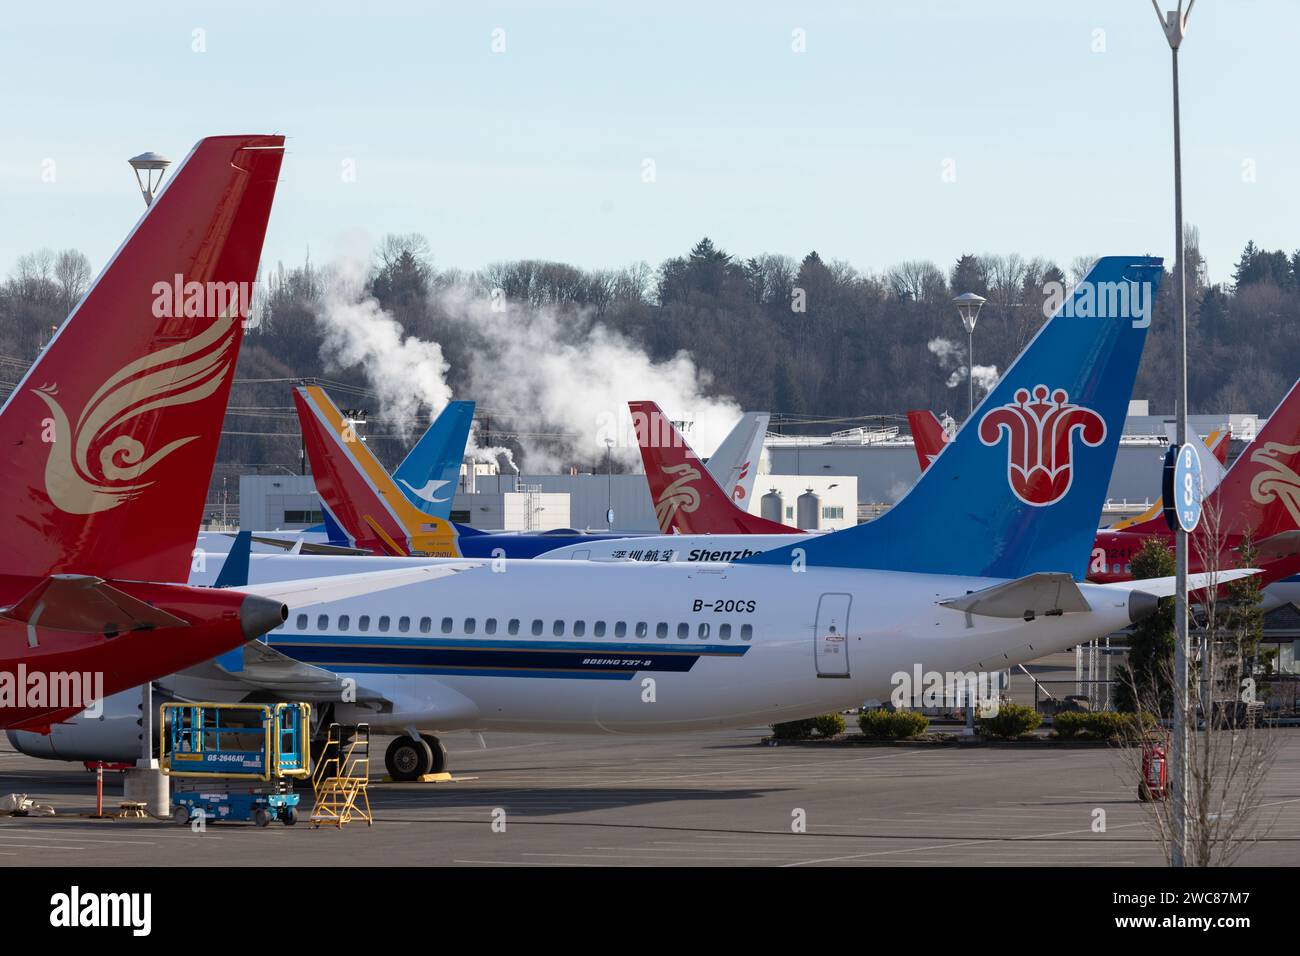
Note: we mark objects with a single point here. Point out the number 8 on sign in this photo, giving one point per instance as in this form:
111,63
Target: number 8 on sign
1184,491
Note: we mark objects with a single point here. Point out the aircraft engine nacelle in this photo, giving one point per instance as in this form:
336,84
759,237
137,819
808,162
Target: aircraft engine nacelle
113,736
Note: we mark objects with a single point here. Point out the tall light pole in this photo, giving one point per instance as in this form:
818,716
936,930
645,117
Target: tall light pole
609,483
146,782
968,307
1174,24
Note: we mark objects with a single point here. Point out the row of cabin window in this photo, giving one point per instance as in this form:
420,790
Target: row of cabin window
702,630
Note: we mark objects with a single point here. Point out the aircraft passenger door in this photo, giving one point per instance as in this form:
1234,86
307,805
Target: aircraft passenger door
831,635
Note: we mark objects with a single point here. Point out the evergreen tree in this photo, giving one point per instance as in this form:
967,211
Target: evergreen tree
787,396
969,275
1145,678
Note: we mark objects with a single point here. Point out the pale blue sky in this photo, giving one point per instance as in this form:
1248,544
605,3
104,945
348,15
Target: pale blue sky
538,151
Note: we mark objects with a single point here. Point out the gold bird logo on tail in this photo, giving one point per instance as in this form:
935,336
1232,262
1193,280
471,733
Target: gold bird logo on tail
180,374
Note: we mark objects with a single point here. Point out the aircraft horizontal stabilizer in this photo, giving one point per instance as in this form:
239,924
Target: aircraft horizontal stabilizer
308,591
1281,545
1165,587
87,604
1027,597
309,547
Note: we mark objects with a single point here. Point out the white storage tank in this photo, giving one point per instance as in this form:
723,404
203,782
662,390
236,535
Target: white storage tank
772,506
808,511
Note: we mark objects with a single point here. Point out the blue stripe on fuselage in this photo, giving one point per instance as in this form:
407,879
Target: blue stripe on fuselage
566,659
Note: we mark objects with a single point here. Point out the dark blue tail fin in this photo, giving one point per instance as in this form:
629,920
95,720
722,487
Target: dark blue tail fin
1021,486
234,574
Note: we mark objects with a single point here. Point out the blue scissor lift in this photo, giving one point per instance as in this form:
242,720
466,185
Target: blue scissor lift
236,761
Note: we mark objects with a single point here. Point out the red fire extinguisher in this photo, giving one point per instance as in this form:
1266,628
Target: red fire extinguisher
1154,784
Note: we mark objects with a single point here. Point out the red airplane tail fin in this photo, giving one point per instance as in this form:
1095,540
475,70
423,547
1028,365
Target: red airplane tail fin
1217,442
927,436
1260,494
111,435
687,499
345,472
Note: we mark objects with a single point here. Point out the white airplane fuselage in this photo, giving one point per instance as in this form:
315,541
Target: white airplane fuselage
621,647
689,548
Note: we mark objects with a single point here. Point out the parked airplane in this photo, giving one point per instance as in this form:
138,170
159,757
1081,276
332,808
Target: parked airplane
929,435
1115,546
429,473
111,438
376,516
979,566
342,463
734,464
427,477
1258,497
687,498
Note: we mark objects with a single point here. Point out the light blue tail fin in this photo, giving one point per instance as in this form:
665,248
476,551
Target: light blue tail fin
1021,486
428,474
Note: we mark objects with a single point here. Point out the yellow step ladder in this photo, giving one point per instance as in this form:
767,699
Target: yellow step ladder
340,779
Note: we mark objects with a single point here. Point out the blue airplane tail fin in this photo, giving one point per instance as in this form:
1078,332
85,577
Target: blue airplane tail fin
334,533
428,474
1020,487
234,574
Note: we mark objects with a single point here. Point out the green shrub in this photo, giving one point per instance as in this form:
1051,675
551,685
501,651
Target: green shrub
1011,721
793,729
1101,725
1069,726
892,724
828,725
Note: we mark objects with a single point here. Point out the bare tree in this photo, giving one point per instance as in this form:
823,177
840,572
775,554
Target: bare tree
1229,752
1006,277
34,274
72,276
1080,266
918,281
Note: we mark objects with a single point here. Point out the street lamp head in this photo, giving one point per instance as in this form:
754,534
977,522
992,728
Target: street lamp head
968,307
149,168
1174,22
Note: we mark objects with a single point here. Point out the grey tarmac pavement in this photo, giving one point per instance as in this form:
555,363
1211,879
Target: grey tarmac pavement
720,799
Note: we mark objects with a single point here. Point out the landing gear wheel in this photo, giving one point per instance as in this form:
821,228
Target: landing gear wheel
289,817
408,758
439,763
262,817
181,815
